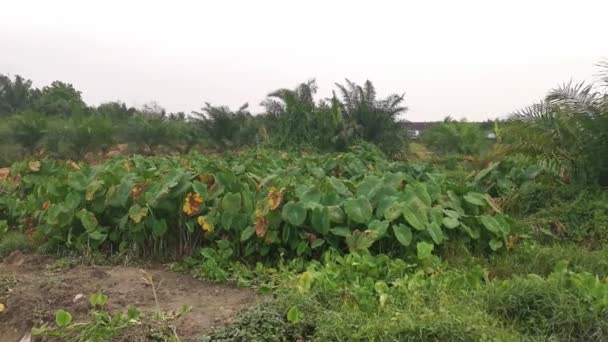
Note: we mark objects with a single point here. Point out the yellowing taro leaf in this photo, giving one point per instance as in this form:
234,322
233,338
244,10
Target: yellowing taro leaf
93,188
261,226
2,307
73,165
208,179
192,204
205,225
275,198
137,213
34,165
136,191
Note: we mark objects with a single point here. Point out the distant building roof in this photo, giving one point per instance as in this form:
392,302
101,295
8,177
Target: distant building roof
419,126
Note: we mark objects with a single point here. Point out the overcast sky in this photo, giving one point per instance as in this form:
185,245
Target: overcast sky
474,59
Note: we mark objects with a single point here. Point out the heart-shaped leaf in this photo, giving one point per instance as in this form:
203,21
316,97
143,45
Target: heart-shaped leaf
63,318
294,213
403,234
320,219
379,227
424,250
358,209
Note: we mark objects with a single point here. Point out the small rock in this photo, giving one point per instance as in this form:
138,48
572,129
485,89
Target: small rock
78,297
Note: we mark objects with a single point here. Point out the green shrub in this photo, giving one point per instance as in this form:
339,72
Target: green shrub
262,322
9,153
466,138
583,220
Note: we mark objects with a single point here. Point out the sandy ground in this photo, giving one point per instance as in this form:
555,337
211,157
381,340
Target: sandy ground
32,288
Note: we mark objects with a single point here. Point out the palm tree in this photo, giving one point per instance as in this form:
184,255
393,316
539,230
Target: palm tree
376,120
451,136
292,111
567,132
226,128
14,95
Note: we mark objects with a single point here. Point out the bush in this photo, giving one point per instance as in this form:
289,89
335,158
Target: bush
9,153
466,138
583,220
262,322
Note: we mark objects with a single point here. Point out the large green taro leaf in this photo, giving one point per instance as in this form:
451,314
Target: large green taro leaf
358,209
294,213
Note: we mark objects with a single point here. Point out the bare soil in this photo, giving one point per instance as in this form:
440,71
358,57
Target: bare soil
32,288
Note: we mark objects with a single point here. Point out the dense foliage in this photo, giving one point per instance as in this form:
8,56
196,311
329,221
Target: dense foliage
263,203
54,121
449,136
567,132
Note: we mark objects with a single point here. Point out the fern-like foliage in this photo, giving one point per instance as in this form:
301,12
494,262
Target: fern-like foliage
567,132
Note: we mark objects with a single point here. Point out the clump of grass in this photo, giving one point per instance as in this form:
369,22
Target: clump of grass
547,308
542,259
14,241
262,322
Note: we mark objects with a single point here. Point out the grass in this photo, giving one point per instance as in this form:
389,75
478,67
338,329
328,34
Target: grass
14,241
534,258
547,308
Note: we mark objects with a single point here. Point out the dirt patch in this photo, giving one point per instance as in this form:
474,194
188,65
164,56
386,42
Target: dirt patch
33,290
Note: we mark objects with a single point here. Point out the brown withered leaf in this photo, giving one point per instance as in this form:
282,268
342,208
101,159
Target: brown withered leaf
208,179
261,226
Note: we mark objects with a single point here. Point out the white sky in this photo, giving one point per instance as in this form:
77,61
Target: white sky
474,59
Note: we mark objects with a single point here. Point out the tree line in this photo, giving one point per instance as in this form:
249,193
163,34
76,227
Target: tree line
55,121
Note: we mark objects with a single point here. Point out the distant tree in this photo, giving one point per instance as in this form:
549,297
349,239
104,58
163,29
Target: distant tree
290,112
115,110
183,135
179,116
153,109
376,120
226,128
147,133
455,137
75,136
59,99
27,129
15,95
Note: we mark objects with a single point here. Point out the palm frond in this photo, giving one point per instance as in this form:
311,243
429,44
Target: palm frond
579,96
